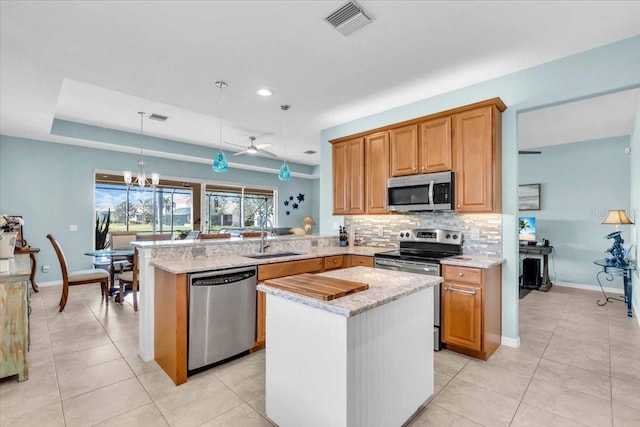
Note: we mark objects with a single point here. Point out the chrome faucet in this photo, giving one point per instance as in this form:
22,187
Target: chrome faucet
264,221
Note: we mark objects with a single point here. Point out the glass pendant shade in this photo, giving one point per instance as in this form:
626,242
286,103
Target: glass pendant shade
127,177
220,163
285,172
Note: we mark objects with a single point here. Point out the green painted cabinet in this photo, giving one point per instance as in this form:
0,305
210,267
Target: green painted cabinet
14,326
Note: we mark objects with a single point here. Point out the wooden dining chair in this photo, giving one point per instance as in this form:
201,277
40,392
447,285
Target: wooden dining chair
131,278
79,277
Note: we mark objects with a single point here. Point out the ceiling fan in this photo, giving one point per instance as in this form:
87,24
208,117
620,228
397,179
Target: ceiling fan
529,152
253,148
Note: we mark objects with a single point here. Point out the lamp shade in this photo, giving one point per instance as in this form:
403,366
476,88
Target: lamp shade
308,221
617,217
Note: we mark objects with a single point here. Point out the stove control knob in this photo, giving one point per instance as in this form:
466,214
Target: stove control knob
401,235
455,237
447,236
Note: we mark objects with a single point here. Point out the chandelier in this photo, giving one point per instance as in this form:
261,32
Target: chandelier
141,177
220,163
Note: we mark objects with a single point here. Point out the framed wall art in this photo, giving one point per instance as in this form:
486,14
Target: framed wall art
529,197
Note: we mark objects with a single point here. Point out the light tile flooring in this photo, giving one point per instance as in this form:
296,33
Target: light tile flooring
579,364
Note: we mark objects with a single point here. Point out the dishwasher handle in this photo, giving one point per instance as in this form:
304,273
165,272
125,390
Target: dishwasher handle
222,278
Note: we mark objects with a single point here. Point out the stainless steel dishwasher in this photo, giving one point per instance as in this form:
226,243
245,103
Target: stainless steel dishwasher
222,315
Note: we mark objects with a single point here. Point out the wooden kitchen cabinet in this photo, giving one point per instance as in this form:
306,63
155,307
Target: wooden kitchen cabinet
435,145
477,160
357,260
334,262
404,150
272,271
14,331
472,310
376,172
348,177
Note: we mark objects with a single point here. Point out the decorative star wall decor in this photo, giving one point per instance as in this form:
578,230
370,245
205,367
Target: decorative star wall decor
290,202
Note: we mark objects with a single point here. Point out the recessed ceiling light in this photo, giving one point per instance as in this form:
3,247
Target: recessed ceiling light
264,92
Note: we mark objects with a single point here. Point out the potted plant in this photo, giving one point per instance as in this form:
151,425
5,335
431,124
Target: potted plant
9,228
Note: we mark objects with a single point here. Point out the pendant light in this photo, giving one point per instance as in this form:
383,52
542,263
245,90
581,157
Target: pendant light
285,172
220,163
141,177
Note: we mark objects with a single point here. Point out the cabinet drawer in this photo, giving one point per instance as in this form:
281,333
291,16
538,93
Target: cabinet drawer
365,261
462,274
333,262
289,268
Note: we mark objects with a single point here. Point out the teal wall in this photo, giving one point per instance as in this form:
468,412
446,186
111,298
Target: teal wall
598,71
580,182
52,186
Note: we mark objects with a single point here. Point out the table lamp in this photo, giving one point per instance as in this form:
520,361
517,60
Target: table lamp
616,217
308,224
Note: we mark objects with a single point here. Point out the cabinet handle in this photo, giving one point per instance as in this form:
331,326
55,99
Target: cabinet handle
461,274
461,291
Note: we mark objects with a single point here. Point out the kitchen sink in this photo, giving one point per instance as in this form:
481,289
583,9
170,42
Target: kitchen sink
461,258
273,255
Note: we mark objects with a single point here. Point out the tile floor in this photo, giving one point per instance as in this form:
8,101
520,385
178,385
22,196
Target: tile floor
578,365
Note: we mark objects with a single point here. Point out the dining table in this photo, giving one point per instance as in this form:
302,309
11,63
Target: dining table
110,255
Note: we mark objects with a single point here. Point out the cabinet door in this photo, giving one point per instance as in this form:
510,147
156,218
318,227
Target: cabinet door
377,172
340,181
404,150
462,315
435,145
261,317
355,176
477,161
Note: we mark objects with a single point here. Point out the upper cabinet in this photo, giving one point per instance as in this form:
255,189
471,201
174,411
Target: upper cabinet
465,140
376,172
477,160
435,145
348,177
404,150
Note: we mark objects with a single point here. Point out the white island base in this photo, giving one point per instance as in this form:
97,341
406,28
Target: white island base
374,368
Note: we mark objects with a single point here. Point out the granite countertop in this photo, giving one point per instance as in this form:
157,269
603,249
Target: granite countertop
384,286
472,261
19,269
198,264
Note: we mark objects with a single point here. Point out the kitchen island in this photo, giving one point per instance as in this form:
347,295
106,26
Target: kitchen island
364,359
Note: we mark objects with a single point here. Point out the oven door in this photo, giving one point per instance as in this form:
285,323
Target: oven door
419,268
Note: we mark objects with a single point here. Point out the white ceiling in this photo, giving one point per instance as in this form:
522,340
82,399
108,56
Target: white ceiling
100,63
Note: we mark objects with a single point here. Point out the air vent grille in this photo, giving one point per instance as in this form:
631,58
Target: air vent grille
348,18
158,117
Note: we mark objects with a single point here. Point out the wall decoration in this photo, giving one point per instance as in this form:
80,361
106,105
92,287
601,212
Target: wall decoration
529,197
290,202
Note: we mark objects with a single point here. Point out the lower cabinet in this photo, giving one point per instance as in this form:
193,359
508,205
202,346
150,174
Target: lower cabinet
14,330
472,310
357,260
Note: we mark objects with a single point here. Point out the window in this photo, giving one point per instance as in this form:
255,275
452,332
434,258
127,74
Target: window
238,207
167,209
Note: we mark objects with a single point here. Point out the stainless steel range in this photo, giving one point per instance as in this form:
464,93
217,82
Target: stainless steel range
420,252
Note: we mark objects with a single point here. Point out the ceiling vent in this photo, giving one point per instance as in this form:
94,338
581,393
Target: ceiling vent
158,117
348,18
310,152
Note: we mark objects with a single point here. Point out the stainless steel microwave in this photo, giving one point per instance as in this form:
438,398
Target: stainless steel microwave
426,192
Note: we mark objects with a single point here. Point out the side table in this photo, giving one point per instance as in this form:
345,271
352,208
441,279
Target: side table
34,264
611,271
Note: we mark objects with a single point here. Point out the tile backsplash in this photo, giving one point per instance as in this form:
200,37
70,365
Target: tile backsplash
482,233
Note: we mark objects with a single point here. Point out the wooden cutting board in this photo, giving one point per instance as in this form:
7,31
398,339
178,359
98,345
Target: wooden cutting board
319,287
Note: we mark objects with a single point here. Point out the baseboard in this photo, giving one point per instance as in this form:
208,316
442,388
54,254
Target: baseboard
510,342
589,287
